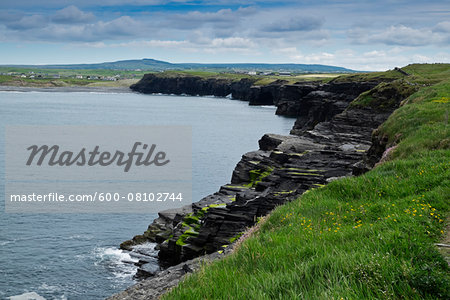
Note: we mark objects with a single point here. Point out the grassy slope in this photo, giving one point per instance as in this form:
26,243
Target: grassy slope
367,237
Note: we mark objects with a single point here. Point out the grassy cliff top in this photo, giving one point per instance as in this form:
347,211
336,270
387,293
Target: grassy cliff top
259,79
419,78
418,73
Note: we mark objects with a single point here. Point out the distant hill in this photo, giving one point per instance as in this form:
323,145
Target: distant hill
157,65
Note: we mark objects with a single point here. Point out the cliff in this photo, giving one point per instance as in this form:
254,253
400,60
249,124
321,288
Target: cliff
194,86
330,139
327,145
312,102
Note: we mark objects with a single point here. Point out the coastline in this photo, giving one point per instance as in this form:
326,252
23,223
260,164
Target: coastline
114,267
70,89
326,146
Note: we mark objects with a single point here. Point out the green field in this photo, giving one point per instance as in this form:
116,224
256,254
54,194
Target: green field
260,79
45,77
72,72
68,76
366,237
7,80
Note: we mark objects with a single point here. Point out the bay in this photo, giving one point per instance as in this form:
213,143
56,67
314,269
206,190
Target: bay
76,256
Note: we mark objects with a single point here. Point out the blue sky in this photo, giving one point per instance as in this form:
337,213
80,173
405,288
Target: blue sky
362,35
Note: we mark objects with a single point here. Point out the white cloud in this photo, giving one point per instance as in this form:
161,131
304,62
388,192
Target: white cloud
71,15
210,46
401,35
442,27
375,60
134,44
297,23
232,42
28,22
36,29
297,56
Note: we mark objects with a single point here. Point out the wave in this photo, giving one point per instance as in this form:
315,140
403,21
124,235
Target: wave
3,243
119,263
27,296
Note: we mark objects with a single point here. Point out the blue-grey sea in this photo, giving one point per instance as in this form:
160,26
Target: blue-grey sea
76,256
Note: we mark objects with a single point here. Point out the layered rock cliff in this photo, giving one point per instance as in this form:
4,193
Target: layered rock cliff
330,139
312,101
194,86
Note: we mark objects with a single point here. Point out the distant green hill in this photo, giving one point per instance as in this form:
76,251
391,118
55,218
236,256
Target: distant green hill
157,65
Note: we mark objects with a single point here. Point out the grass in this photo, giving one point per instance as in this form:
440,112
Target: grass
259,80
421,124
72,72
206,75
62,82
67,77
326,77
366,237
44,82
118,83
373,76
385,95
419,73
257,175
428,73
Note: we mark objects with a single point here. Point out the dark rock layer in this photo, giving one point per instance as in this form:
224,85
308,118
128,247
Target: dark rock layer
194,86
312,102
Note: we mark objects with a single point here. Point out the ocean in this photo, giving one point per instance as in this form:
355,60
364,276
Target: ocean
76,256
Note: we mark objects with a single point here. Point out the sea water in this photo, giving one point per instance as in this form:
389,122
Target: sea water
76,256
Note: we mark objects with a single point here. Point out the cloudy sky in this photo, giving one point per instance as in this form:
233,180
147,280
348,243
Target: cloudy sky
357,34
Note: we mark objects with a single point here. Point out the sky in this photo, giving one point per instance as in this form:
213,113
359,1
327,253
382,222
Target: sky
357,34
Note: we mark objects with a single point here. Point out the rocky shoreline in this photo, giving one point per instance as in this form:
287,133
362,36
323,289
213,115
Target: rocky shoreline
331,138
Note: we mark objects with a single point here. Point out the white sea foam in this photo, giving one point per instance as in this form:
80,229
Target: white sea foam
105,93
111,254
80,237
12,91
3,243
118,262
27,296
